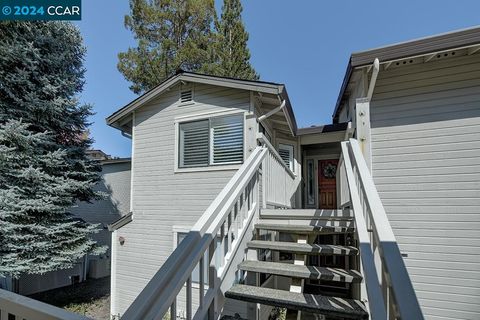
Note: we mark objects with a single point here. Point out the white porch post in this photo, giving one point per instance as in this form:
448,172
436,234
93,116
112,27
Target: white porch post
362,118
251,129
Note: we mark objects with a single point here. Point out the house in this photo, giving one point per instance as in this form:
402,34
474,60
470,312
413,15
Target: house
413,106
237,212
115,183
96,154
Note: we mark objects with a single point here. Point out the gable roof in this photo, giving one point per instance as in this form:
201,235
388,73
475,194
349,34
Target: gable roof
421,46
250,85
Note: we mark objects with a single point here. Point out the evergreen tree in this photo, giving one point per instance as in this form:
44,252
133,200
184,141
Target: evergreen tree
43,166
171,35
231,50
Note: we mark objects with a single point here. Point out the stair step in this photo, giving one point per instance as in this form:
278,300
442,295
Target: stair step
304,248
329,306
306,214
295,227
301,271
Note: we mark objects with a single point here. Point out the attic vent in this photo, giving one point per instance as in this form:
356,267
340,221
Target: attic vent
446,54
186,96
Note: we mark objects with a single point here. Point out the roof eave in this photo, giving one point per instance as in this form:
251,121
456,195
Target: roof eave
127,109
346,80
422,46
258,86
425,45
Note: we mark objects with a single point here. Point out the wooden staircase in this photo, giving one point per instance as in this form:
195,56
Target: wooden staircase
314,251
313,255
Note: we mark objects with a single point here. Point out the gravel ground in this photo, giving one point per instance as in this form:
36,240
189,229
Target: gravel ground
90,298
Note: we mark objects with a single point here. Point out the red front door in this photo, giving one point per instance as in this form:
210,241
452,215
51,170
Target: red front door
327,184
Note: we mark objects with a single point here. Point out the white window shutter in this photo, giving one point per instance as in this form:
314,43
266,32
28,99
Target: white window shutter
286,153
194,144
227,139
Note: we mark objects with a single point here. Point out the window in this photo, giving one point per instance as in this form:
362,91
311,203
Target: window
194,148
310,182
214,141
227,139
196,271
286,153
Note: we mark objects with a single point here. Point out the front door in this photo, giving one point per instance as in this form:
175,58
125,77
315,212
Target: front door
327,184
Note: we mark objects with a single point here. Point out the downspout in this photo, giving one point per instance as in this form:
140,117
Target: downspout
272,112
85,267
349,132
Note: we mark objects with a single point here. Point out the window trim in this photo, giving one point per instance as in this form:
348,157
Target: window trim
199,117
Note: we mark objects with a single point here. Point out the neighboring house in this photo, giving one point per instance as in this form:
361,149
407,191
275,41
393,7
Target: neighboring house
95,154
418,123
115,184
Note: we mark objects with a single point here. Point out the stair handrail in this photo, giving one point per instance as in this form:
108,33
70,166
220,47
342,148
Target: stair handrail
399,295
16,306
376,305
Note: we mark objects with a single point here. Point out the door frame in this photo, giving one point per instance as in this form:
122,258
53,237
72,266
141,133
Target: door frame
315,159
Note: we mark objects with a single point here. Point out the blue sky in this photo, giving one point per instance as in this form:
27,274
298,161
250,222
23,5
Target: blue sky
304,44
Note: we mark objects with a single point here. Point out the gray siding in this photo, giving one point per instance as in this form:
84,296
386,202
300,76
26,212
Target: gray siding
115,184
34,283
162,198
426,165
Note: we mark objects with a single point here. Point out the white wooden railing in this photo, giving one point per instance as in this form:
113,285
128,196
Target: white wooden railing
279,180
390,293
17,307
217,242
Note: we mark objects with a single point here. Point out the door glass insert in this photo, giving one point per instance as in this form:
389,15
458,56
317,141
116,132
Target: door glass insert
310,182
